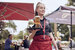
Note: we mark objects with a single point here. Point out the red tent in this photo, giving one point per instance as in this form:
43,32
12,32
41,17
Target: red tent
16,11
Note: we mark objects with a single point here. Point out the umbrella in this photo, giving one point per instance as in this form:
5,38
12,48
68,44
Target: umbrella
16,11
63,15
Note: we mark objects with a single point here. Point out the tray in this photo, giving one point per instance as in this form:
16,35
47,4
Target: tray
33,28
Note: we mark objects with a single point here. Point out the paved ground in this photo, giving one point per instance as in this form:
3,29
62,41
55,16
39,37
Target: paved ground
68,49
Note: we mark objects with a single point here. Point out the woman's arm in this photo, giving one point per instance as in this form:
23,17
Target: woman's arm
53,41
33,33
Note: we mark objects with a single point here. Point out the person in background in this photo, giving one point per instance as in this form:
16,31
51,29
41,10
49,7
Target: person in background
25,43
73,43
41,39
8,42
58,40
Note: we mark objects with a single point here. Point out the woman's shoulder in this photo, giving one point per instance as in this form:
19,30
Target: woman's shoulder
47,21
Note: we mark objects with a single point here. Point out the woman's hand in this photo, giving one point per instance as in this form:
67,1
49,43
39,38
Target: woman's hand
34,31
53,41
56,48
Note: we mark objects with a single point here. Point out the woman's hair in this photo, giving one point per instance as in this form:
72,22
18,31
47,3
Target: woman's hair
36,13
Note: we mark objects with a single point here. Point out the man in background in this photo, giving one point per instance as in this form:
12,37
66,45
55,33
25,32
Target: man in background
8,42
25,43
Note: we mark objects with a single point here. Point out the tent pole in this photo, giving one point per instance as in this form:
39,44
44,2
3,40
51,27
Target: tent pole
55,29
71,30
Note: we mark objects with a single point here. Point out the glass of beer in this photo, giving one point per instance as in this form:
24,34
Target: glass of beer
37,21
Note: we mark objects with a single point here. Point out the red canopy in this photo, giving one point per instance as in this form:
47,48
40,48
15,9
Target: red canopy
16,11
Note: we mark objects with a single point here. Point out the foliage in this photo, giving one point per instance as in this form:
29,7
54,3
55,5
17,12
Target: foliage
4,32
20,35
65,30
15,37
71,2
11,24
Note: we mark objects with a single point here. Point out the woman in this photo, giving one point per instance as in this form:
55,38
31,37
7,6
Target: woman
41,37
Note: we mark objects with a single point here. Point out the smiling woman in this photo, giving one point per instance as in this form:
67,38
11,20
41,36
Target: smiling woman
42,37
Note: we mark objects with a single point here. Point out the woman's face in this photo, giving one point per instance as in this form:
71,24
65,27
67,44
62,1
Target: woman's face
41,9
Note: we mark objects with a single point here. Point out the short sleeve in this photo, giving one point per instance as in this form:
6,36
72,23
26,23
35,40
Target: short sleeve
48,26
50,29
10,41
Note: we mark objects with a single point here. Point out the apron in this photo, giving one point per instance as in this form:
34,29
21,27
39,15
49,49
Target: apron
41,42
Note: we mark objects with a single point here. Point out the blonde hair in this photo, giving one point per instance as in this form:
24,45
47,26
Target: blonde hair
38,4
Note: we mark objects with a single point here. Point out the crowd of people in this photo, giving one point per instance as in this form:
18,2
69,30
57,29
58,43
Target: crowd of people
25,44
8,43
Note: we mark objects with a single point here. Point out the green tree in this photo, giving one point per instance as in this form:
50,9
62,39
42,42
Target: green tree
15,37
11,24
4,33
2,25
65,30
20,35
71,2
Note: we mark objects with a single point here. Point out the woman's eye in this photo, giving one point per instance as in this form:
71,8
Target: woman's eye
42,8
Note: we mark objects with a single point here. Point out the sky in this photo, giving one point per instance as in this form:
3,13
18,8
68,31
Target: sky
50,5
